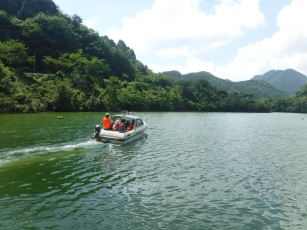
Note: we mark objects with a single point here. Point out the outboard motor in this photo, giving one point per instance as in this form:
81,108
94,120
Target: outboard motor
96,134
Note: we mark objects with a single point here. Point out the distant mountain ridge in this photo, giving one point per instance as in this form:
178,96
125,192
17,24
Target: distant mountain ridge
259,88
289,80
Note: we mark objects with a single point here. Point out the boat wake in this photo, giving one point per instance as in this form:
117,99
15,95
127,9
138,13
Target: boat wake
8,155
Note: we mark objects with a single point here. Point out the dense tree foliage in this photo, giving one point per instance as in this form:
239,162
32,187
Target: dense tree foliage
295,104
13,54
50,61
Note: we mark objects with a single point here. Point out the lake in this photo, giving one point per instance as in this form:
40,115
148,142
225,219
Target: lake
189,170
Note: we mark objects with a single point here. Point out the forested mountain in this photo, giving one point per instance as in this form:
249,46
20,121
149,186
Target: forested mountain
288,80
50,61
259,89
41,30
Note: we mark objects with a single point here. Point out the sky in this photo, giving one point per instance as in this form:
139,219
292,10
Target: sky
231,39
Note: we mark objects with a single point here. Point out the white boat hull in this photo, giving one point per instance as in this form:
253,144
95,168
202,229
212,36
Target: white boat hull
110,136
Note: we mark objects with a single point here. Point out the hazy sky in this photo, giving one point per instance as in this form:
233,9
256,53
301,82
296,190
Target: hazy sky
232,39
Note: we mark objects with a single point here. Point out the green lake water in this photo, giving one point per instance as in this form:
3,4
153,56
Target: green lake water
188,171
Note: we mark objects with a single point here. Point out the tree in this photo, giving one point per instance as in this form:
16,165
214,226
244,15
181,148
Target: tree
13,53
47,35
109,95
9,6
6,77
131,98
302,92
83,72
121,45
32,7
176,100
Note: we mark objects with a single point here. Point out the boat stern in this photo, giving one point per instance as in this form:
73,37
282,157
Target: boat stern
96,134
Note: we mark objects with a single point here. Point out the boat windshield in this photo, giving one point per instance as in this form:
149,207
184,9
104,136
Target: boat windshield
118,118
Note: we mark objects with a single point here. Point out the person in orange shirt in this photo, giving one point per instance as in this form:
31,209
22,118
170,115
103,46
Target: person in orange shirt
106,122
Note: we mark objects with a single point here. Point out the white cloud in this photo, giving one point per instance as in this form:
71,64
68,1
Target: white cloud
179,28
171,52
196,65
285,49
90,23
173,26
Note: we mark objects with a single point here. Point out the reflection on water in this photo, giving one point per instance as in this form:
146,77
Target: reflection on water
189,171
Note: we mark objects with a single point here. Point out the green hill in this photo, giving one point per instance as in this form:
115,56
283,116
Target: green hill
44,31
288,80
259,89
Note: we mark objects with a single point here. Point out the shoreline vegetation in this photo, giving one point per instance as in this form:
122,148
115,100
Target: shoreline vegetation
51,62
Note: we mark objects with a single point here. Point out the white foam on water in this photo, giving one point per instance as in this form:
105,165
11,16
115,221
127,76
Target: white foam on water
8,155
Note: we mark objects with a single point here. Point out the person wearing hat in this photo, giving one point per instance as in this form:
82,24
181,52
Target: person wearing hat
106,122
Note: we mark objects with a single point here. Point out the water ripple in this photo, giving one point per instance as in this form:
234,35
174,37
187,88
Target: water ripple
232,171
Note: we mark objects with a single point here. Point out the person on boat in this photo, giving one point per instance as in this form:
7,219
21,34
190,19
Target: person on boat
130,125
106,122
115,126
122,126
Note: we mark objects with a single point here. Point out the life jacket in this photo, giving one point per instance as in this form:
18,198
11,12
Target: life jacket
130,126
107,123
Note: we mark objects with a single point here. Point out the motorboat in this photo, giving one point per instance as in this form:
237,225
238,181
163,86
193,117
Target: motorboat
135,127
